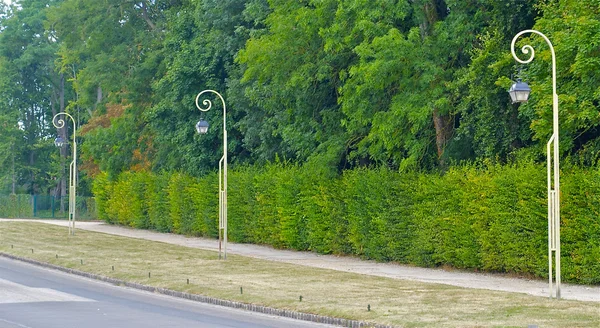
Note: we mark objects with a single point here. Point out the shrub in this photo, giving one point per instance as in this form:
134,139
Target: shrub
266,229
157,203
204,197
181,212
379,213
102,189
16,206
242,192
580,225
515,237
324,209
478,217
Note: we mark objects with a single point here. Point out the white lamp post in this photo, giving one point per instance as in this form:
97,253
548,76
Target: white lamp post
519,92
202,128
60,142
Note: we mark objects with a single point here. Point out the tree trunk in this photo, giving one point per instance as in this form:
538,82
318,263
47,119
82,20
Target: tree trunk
444,127
145,15
62,132
31,174
30,128
99,98
434,11
63,150
14,174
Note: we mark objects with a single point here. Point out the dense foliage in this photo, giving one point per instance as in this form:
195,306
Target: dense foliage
487,218
394,97
351,83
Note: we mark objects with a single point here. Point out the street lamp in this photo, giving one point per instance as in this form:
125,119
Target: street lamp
60,142
202,128
519,92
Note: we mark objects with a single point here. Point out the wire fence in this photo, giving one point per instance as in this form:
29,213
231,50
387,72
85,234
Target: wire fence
45,207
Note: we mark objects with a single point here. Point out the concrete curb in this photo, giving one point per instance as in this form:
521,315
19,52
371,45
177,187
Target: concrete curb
209,300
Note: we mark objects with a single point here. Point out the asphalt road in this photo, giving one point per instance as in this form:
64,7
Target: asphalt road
33,297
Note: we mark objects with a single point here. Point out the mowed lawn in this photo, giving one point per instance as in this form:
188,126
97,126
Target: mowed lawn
280,285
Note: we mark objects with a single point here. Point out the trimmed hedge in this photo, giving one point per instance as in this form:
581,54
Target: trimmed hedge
490,218
16,206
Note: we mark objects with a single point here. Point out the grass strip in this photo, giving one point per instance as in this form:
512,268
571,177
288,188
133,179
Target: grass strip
280,285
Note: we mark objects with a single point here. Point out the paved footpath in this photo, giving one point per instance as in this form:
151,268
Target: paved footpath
352,264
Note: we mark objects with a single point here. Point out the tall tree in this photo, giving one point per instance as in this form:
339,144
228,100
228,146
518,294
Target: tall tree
292,82
110,50
490,126
28,59
201,42
414,77
9,130
573,27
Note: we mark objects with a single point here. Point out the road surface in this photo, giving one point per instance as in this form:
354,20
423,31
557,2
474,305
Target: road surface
34,297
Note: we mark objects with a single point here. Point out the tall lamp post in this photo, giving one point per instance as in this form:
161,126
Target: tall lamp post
519,92
59,142
202,128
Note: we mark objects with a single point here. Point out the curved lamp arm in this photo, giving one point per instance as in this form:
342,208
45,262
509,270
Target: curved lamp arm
60,123
527,48
208,104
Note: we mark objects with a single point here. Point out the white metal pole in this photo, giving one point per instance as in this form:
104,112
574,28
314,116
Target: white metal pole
554,174
556,181
222,172
224,199
221,223
74,179
551,205
59,124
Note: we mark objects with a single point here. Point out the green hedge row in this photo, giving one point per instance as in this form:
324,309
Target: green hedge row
478,218
16,206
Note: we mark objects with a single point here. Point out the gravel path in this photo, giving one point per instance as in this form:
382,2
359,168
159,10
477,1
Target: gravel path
351,264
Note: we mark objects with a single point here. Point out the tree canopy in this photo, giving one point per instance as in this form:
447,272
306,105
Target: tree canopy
407,84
